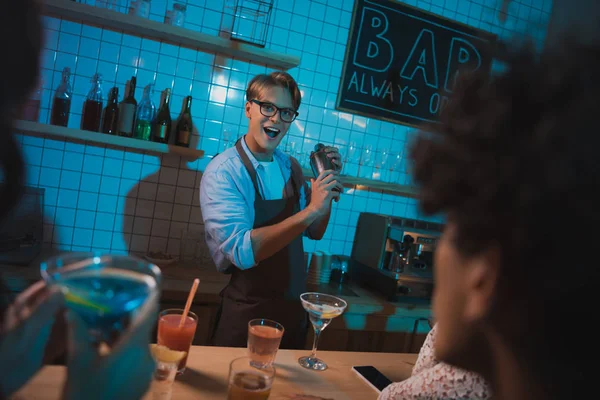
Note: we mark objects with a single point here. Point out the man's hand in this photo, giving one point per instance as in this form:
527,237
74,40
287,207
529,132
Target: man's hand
323,193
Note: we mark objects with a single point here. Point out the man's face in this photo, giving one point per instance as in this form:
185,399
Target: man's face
265,133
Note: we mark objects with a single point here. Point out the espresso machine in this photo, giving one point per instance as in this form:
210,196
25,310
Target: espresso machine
394,256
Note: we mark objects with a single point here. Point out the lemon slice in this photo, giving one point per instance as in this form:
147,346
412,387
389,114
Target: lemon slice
166,355
75,299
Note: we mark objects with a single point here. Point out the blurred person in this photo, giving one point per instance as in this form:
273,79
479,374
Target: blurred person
32,328
515,167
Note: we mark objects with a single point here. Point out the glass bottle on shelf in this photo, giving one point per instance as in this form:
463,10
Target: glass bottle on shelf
145,115
111,113
141,8
161,128
183,131
127,110
61,104
92,107
176,16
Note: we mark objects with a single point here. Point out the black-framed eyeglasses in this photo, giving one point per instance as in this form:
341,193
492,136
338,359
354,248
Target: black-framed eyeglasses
269,109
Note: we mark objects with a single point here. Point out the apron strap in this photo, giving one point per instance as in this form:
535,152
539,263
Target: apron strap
297,176
248,165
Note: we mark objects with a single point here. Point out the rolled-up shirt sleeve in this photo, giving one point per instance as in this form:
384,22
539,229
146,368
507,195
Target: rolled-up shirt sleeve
227,220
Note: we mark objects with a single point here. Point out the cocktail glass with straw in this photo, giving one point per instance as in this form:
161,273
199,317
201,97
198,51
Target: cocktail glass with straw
177,327
321,308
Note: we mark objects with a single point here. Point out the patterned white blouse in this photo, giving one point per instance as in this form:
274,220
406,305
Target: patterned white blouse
432,379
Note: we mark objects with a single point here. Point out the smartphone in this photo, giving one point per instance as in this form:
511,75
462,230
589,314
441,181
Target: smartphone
372,376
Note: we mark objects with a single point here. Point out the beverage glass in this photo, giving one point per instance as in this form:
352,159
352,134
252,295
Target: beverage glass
321,308
174,337
162,380
264,337
104,289
247,382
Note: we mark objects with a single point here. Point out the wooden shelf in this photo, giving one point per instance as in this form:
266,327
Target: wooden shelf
364,184
159,31
28,127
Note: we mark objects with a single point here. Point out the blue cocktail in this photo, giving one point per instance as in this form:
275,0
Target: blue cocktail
105,290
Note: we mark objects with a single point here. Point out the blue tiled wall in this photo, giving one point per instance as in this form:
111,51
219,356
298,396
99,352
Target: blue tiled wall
108,198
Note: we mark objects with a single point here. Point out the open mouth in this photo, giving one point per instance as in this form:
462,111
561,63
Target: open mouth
271,132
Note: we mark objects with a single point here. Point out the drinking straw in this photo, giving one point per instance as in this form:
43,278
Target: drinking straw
189,301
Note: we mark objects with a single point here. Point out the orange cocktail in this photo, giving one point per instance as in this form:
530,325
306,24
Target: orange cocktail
175,337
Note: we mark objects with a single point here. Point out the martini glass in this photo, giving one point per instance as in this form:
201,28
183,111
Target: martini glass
105,290
322,308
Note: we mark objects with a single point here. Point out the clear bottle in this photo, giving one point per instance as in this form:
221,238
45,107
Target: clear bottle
183,132
92,107
161,128
127,110
110,120
145,115
61,105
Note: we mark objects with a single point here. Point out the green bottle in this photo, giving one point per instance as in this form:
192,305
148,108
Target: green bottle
145,115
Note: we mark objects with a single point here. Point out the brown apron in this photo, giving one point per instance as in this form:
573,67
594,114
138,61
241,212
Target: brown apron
272,288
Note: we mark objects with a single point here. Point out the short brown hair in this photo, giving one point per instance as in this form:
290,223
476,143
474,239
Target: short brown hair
278,78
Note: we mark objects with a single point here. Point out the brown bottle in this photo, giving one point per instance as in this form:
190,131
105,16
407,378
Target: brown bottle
111,113
183,132
92,107
61,105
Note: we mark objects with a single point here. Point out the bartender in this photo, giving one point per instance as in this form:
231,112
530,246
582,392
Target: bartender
256,207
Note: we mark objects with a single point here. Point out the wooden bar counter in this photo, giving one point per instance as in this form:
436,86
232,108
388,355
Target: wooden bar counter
208,368
370,323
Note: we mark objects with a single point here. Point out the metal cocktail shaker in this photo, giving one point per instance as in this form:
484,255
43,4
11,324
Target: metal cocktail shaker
319,162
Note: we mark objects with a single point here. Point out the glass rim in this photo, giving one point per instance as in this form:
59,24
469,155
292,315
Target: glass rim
268,371
177,311
324,295
49,267
271,322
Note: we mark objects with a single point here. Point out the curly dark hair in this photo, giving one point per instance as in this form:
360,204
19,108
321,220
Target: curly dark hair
515,165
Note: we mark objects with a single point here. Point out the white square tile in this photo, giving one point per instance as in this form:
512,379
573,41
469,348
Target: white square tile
165,193
196,215
139,243
184,196
181,213
142,226
173,246
177,229
147,190
163,210
125,224
170,160
168,175
160,227
144,208
187,178
157,244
